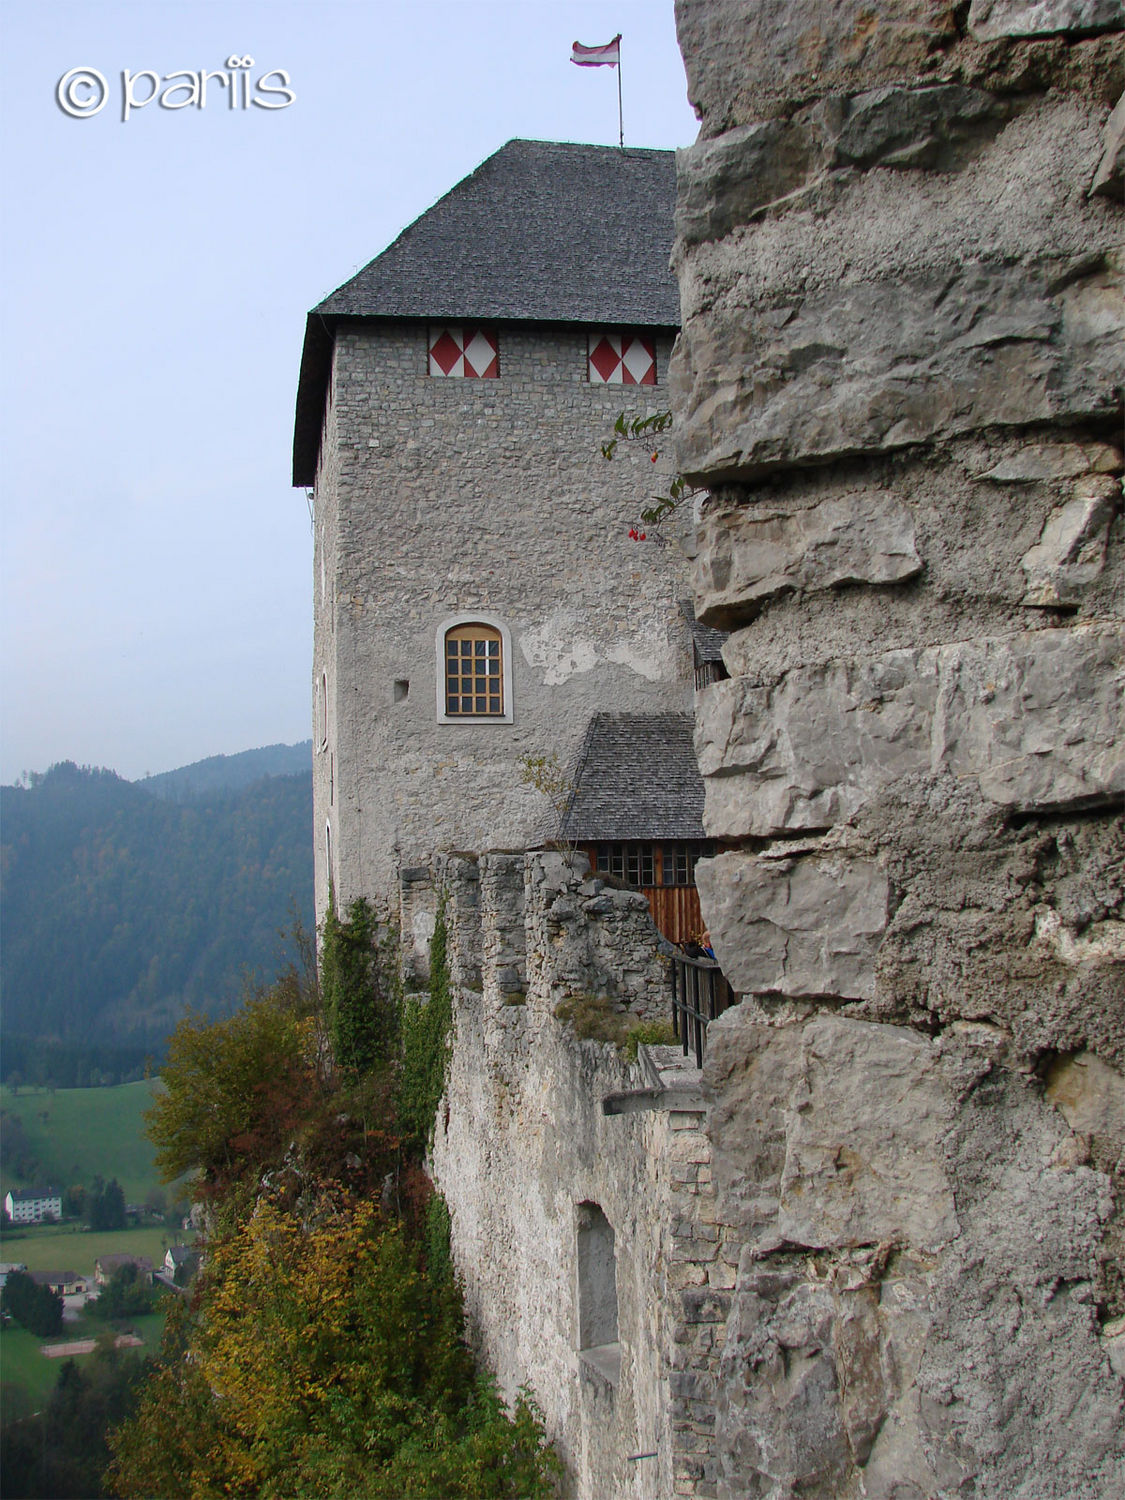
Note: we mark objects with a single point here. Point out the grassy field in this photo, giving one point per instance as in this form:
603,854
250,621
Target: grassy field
27,1377
78,1133
69,1247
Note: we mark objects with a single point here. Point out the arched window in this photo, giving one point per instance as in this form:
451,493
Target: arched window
475,680
598,1345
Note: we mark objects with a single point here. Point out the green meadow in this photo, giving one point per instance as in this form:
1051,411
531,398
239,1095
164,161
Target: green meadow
70,1247
77,1134
27,1376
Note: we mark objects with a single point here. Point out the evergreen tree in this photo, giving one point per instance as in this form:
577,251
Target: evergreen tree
38,1308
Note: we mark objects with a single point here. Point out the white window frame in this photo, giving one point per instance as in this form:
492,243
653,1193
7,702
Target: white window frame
474,617
322,711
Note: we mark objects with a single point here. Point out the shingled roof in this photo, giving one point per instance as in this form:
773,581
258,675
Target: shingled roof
542,231
636,778
708,642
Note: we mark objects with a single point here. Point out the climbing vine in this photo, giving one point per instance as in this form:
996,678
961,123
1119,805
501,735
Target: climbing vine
644,430
359,993
426,1028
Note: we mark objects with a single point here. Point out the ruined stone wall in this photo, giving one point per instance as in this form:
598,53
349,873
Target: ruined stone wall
900,374
444,497
523,1153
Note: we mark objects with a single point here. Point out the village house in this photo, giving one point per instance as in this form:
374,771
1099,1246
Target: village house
33,1205
105,1265
62,1283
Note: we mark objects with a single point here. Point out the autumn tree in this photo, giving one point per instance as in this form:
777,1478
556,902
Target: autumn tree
234,1092
329,1362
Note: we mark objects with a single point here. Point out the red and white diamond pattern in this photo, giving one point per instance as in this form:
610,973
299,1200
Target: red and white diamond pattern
621,359
464,351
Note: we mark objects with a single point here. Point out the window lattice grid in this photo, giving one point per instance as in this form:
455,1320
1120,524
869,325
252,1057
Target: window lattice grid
474,675
632,863
679,861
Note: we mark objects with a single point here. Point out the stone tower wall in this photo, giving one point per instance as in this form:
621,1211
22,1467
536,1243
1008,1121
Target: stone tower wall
438,497
900,375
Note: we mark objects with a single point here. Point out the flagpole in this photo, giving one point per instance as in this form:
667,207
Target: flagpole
620,112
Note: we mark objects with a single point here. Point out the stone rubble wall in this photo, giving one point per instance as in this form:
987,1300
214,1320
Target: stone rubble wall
900,377
522,1143
439,498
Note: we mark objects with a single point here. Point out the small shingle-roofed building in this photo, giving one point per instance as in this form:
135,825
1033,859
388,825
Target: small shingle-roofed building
478,597
707,648
62,1283
636,806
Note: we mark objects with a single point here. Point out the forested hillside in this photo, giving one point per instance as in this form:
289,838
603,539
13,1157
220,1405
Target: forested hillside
123,908
229,772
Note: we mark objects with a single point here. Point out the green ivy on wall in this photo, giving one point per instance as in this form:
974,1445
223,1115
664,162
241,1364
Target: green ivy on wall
426,1027
360,1000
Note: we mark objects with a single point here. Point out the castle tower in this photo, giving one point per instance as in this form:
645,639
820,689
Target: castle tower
477,594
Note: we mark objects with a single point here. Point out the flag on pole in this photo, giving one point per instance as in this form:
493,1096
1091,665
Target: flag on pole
597,57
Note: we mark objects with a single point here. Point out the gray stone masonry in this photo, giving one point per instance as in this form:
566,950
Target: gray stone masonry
443,497
522,1149
900,376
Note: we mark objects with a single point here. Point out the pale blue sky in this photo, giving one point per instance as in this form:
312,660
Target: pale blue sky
156,274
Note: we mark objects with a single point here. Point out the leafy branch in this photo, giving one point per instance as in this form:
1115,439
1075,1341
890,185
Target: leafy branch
546,774
644,429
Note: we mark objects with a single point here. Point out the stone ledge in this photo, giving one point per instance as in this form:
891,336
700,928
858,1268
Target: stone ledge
807,926
751,554
878,365
1034,719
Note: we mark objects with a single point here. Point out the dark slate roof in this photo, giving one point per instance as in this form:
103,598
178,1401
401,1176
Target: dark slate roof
542,231
708,641
636,778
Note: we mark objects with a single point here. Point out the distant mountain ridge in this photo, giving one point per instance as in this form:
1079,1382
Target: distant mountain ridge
228,772
126,903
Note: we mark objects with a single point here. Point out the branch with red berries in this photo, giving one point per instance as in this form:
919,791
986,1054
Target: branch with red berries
644,429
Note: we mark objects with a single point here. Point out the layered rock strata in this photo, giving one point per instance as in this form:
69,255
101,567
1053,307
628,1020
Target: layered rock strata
900,377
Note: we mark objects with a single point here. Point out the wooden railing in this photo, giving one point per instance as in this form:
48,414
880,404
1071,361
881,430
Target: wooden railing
700,994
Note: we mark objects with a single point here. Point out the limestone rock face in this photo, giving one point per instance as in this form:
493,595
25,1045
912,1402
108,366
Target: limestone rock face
882,364
1109,179
795,927
753,61
903,127
722,182
900,377
917,1244
746,558
1071,550
991,19
814,748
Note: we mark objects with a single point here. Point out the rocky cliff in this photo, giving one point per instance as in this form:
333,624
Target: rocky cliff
900,376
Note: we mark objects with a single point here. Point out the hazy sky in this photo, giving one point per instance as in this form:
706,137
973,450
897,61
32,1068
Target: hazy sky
156,574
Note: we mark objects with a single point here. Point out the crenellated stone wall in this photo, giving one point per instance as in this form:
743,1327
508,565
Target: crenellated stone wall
900,376
528,1160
